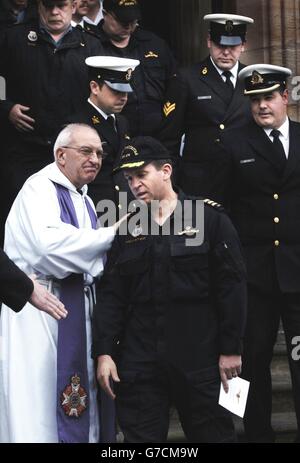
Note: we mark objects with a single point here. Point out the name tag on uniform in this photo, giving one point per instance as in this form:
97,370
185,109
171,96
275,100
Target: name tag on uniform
204,97
247,161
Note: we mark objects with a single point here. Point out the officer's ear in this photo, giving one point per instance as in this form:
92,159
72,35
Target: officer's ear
95,87
167,171
60,156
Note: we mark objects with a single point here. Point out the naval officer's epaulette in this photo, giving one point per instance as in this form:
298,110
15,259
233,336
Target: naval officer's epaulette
214,204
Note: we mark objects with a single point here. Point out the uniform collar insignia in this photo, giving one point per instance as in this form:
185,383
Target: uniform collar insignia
95,120
204,71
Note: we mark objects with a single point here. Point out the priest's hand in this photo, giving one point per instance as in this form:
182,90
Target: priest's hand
106,370
43,300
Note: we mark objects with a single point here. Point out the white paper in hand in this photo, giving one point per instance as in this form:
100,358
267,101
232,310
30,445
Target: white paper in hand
236,398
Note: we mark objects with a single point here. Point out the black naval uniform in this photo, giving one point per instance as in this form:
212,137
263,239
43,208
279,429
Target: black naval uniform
15,286
265,202
52,81
165,312
106,185
197,105
157,65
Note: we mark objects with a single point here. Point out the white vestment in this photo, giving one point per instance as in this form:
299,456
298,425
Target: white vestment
39,242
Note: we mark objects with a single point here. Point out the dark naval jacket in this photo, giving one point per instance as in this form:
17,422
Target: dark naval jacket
150,79
197,105
15,286
264,204
52,81
161,298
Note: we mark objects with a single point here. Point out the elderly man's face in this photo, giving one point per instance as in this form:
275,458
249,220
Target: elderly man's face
81,159
56,16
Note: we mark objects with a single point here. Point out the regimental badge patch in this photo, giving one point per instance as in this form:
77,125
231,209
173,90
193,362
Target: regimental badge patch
32,36
95,120
74,398
168,108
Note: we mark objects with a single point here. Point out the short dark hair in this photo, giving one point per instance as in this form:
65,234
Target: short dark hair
158,163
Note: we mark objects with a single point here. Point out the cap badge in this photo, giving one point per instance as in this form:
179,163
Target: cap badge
204,71
189,231
129,148
257,78
229,26
129,74
32,36
137,231
151,54
95,120
168,108
74,398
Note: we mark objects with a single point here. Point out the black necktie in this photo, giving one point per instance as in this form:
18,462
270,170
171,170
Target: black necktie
279,150
228,82
111,122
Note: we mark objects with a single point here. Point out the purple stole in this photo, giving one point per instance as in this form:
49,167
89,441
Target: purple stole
72,376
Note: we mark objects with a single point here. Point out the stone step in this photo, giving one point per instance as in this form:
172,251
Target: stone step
284,425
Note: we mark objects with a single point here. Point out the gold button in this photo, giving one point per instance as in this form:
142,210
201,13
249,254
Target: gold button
222,126
117,188
217,140
276,242
276,219
276,196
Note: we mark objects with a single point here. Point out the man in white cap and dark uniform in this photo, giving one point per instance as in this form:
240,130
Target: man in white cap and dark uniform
110,83
205,99
262,190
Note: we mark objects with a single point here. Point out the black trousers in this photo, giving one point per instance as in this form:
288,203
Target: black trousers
264,313
143,404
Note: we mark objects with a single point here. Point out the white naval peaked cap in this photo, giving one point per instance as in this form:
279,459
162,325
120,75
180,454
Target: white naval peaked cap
228,29
263,78
116,72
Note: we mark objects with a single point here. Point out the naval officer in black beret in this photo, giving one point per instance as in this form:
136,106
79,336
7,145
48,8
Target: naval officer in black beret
170,312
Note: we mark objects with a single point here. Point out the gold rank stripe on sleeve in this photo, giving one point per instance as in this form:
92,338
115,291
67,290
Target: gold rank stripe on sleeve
168,108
